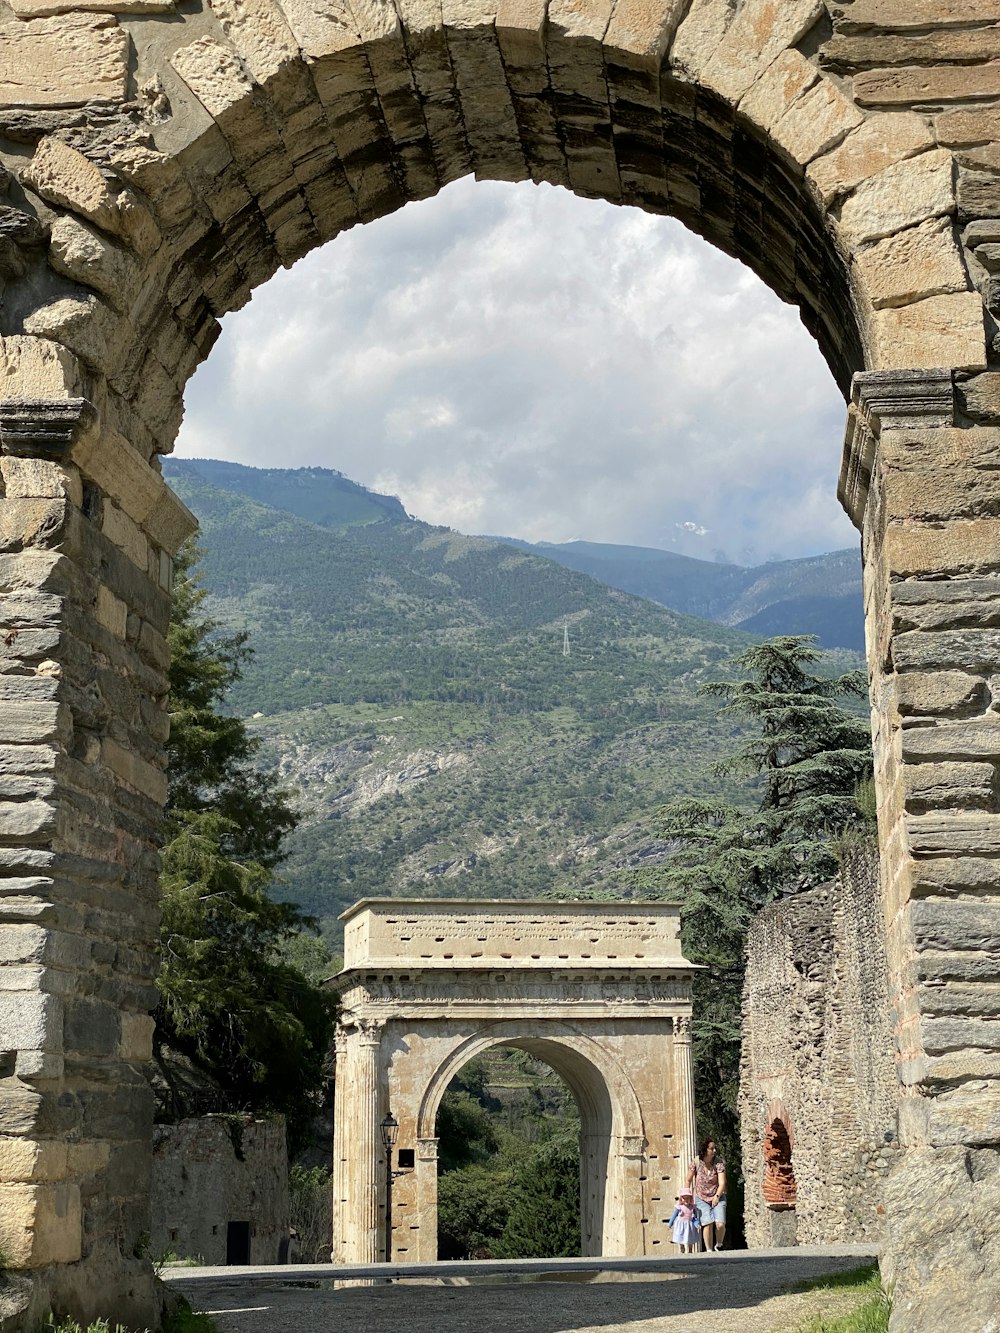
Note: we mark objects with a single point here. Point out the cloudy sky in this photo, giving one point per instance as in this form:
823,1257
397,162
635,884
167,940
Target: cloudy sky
510,359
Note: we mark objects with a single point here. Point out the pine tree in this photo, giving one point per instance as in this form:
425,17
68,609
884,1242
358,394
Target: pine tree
230,998
805,757
544,1216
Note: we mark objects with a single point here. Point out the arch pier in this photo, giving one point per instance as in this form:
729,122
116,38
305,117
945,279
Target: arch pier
601,993
160,160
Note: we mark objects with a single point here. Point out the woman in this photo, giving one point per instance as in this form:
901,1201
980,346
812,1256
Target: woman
707,1174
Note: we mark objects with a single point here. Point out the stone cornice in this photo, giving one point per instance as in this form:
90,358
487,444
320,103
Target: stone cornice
887,400
43,427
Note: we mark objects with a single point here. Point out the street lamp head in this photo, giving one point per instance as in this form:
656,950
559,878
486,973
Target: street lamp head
390,1131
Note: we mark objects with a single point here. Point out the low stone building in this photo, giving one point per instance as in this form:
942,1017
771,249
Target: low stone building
818,1085
220,1190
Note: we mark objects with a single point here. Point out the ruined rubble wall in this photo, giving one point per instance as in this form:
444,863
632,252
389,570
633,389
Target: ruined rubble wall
817,1059
213,1170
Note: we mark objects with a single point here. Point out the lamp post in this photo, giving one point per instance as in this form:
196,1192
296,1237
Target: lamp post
390,1131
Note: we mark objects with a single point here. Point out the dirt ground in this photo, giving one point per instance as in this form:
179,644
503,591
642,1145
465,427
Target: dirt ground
720,1296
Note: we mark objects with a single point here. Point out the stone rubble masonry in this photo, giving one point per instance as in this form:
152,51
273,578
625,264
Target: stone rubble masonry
818,1056
213,1170
160,162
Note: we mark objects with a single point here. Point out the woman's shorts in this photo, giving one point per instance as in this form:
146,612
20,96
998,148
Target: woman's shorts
707,1214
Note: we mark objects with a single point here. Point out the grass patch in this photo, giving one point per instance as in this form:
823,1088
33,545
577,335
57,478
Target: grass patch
866,1278
181,1319
871,1315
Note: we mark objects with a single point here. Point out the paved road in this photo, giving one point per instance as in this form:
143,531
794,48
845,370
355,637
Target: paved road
729,1293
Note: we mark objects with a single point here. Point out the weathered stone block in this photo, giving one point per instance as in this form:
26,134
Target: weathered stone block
84,255
979,397
952,785
968,126
136,772
903,15
927,84
964,545
641,30
111,612
26,1160
125,534
900,196
65,61
40,1224
30,723
919,262
936,331
965,926
35,368
931,692
757,35
37,478
91,1028
27,821
881,141
30,1020
972,648
136,1044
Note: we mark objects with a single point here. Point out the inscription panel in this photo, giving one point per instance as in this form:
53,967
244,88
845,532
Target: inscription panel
426,934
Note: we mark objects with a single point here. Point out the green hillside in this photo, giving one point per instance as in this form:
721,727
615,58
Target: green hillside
411,684
818,595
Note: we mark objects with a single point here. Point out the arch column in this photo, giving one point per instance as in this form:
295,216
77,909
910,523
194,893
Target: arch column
684,1094
359,1127
85,566
921,478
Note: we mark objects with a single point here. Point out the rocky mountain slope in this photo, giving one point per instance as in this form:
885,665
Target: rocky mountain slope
412,685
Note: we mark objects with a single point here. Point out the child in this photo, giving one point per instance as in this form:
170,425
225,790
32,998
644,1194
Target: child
686,1232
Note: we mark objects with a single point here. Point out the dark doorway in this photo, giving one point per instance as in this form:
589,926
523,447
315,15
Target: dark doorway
238,1243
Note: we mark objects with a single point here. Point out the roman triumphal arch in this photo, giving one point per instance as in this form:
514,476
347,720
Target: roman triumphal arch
159,160
601,993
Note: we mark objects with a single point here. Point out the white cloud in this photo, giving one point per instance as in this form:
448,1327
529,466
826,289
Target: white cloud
512,359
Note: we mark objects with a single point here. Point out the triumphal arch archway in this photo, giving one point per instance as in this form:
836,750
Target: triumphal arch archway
601,993
159,160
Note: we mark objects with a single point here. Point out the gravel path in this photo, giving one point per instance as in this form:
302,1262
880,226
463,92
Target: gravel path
721,1294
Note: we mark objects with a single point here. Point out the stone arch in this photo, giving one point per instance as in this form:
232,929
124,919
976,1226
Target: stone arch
601,1087
429,986
610,1118
158,165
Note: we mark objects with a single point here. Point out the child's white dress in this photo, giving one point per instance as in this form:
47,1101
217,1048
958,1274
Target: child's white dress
686,1229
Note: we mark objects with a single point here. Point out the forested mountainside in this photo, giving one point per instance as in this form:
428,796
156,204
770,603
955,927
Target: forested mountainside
412,685
818,595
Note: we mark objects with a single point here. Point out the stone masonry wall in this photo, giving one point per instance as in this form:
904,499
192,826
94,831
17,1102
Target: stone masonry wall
211,1171
817,1059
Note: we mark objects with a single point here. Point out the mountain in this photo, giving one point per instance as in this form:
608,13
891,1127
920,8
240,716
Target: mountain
321,495
818,595
412,685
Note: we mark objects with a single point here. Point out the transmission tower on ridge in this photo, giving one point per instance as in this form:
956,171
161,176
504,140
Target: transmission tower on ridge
565,641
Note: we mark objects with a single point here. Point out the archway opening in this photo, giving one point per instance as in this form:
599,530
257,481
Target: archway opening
779,1185
509,1134
442,866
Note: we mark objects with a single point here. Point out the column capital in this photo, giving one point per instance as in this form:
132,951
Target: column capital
427,1150
43,427
887,400
370,1031
682,1028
